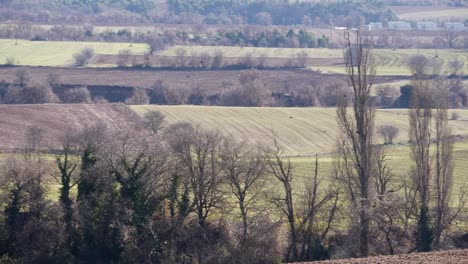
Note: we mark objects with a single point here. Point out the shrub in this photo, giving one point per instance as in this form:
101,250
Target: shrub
388,133
77,95
454,116
123,58
154,120
10,61
83,57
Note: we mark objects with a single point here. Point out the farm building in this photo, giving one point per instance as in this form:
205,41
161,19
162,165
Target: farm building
399,25
455,26
375,26
427,26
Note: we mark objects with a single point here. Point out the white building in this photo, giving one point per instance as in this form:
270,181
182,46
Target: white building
455,26
427,26
399,25
375,26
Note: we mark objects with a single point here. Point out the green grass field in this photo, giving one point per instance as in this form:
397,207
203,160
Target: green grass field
304,132
58,53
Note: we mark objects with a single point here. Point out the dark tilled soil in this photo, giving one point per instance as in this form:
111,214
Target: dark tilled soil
209,81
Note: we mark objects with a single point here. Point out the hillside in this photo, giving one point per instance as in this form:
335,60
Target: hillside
304,131
56,120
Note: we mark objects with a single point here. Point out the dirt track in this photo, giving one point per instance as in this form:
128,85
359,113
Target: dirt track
442,257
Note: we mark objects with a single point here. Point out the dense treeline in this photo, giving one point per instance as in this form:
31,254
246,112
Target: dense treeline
159,40
350,13
340,13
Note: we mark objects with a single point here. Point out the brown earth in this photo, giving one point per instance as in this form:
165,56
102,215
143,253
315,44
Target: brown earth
442,257
211,81
56,119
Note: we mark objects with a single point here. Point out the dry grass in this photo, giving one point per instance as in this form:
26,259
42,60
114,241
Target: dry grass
303,131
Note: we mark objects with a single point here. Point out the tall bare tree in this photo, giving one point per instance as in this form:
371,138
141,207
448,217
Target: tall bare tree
282,170
357,130
197,152
420,115
444,213
244,169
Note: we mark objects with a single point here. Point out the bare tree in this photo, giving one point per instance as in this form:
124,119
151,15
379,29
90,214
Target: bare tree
456,66
139,97
317,214
77,95
83,57
282,171
34,140
387,95
197,153
301,58
357,132
218,59
123,58
419,65
444,213
244,168
23,77
420,115
154,120
388,133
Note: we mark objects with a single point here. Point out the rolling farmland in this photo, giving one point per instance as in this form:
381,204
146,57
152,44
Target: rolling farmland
58,53
304,132
50,53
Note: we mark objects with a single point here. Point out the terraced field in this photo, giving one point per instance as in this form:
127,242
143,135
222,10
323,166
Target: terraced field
388,61
58,53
